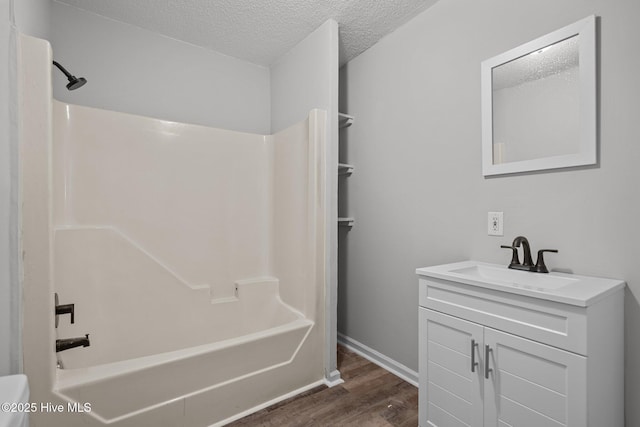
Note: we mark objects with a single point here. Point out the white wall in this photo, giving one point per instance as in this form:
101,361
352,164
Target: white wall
33,17
132,70
6,320
305,78
29,17
418,195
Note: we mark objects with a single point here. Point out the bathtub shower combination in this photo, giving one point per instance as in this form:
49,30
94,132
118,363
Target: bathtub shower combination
193,257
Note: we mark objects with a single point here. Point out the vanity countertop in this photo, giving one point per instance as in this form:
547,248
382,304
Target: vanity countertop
572,289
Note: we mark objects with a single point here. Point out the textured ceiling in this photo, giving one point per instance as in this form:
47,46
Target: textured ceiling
260,31
553,59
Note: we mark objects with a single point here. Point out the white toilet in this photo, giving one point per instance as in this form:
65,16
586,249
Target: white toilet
14,389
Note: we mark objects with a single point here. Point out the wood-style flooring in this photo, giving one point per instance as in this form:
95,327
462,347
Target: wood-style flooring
369,396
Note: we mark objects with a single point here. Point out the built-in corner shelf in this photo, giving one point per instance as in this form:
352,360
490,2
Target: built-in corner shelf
346,222
345,169
344,120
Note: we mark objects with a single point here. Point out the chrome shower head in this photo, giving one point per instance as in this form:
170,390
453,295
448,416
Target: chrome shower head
74,82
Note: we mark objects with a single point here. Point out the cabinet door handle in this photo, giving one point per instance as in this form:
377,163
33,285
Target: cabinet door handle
474,344
487,351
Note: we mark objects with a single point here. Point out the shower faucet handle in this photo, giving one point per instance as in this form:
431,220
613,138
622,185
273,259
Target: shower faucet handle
64,309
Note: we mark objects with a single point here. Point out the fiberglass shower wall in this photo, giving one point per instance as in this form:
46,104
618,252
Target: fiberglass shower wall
156,222
196,199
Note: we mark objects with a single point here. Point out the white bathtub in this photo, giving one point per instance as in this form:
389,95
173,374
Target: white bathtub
131,388
147,353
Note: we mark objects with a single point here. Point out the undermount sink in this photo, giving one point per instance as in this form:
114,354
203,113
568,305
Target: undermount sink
560,287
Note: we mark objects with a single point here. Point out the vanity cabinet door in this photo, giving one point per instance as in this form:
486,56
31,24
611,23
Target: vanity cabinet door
532,384
450,393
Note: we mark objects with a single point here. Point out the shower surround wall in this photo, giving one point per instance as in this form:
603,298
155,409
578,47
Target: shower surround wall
194,257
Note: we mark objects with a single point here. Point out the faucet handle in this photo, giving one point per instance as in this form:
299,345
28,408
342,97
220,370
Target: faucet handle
514,256
63,309
540,267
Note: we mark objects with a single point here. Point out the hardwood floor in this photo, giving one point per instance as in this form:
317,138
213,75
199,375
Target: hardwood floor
370,396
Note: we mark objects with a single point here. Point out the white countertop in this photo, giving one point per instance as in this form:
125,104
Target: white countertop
565,288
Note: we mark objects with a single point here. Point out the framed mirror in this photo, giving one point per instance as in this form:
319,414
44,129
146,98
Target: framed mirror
539,103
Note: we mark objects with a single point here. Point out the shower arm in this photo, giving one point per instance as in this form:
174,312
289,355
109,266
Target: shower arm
64,70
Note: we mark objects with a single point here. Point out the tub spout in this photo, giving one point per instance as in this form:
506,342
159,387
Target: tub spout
67,343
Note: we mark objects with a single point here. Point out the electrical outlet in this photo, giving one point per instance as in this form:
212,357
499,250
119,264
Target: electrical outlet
495,224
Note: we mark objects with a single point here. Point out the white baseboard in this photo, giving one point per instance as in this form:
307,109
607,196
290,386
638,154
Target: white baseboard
379,359
333,379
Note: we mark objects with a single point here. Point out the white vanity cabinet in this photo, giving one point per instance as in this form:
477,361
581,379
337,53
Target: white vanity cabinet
528,382
495,357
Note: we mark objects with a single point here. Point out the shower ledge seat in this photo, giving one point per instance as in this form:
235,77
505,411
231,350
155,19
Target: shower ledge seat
113,236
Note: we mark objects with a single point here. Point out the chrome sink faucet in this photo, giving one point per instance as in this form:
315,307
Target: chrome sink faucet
527,264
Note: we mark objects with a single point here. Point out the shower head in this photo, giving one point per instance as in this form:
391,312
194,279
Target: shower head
74,82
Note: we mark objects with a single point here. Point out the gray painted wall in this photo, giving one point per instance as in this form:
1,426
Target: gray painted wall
538,118
136,71
418,195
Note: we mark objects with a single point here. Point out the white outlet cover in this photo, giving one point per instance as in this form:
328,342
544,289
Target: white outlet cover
495,224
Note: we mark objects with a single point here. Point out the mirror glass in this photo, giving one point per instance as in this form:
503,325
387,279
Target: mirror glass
539,103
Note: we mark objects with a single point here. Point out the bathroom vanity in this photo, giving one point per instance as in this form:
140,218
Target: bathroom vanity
500,347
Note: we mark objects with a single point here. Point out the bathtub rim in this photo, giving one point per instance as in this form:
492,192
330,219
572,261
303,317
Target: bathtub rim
78,377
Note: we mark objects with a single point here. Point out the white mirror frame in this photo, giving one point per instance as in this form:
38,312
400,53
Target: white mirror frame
587,155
